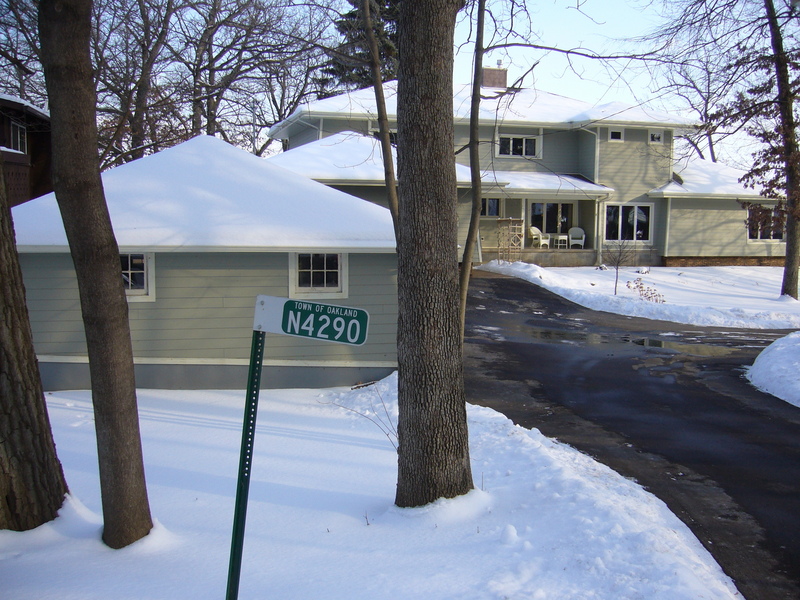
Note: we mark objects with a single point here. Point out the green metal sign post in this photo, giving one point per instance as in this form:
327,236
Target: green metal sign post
245,464
326,322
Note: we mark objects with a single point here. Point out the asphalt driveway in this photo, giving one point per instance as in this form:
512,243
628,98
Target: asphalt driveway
663,403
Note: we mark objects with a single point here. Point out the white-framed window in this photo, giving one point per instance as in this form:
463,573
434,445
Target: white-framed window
629,222
490,207
616,135
19,139
655,136
524,146
318,274
138,276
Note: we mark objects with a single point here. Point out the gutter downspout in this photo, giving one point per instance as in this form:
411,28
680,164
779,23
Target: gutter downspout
666,228
598,246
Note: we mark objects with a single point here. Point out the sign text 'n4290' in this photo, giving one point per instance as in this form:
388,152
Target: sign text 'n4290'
300,318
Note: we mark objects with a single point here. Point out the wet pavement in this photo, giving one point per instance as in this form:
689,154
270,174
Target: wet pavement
663,403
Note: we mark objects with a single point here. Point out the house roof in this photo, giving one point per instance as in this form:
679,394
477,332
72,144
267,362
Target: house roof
24,105
206,195
702,178
347,157
351,158
525,106
549,184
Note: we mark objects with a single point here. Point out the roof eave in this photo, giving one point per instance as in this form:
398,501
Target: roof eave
348,248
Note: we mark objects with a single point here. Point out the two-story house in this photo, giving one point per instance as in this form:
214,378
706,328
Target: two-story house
25,149
578,181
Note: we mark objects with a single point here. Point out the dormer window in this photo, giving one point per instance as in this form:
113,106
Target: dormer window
656,136
18,137
519,145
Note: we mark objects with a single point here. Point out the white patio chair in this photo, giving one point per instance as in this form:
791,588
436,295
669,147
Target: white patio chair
539,239
576,236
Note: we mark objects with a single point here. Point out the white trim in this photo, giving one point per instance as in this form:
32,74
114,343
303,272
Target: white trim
149,294
222,362
538,138
621,131
648,242
656,136
365,249
344,278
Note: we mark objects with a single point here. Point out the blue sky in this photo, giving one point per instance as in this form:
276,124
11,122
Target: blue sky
598,26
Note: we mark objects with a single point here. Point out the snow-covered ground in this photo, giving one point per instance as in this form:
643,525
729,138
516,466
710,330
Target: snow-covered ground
544,521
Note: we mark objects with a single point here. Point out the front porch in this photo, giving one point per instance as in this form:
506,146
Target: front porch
546,257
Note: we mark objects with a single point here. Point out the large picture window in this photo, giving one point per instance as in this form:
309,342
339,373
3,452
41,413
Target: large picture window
552,217
318,274
138,276
628,222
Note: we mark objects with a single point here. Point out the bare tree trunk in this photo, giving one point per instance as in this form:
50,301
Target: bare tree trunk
32,484
789,153
433,452
383,118
474,167
64,29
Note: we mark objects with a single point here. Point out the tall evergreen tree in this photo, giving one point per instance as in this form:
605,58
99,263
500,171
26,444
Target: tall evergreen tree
349,64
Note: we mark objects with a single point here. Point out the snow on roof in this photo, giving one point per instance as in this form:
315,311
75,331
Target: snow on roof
350,157
530,106
344,157
707,179
41,112
205,194
551,183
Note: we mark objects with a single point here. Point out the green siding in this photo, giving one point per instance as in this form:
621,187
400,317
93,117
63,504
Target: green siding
634,167
204,307
587,152
705,227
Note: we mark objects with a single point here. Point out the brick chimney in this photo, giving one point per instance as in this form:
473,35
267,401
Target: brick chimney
495,77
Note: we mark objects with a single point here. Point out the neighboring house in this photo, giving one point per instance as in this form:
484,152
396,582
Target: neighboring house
204,228
25,149
554,163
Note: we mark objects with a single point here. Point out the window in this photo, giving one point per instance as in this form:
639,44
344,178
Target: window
318,274
490,207
656,137
526,147
552,217
628,222
137,276
18,137
615,135
765,222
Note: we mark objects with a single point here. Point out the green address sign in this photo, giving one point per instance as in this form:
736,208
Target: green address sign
325,322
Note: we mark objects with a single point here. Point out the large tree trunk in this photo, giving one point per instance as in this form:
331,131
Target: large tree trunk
433,453
32,485
790,157
64,29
